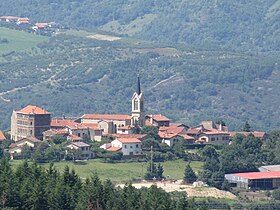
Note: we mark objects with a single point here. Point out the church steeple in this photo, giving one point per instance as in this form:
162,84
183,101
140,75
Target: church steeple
137,106
138,91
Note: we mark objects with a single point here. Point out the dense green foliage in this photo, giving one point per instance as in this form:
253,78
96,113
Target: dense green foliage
249,25
189,176
73,75
198,60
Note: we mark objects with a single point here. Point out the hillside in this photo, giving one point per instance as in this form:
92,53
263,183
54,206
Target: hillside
250,25
75,73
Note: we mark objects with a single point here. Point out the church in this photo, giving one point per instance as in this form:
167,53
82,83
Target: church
121,123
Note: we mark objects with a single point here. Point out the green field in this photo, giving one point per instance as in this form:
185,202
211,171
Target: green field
122,172
18,40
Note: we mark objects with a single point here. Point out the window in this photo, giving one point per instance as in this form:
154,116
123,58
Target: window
30,132
124,146
135,104
131,147
212,139
136,145
30,123
79,134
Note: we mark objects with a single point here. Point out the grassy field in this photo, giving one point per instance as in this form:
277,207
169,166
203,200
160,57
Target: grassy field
122,172
18,40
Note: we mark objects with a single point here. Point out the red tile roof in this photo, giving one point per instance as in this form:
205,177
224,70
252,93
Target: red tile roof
113,149
62,122
255,133
216,133
2,137
74,137
193,131
170,130
107,116
30,109
9,17
187,137
23,19
91,126
165,135
138,136
259,175
158,117
41,25
129,140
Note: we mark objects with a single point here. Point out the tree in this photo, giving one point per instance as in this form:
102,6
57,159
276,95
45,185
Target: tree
189,176
246,127
276,194
152,131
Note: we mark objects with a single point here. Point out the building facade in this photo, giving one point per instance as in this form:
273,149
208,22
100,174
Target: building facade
30,121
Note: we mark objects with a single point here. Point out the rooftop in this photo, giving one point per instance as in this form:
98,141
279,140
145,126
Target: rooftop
259,175
158,117
80,144
129,140
30,109
113,149
107,116
62,122
2,137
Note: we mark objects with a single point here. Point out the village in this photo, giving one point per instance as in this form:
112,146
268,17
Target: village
45,28
32,128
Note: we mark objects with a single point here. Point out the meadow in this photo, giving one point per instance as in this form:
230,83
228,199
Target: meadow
18,40
121,172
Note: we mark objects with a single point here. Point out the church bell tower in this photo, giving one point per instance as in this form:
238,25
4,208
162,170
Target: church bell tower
137,106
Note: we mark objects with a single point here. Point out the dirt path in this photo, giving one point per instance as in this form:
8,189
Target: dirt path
189,189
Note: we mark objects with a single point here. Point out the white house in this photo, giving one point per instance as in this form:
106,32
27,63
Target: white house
128,146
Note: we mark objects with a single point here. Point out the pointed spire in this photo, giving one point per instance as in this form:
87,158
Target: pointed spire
138,85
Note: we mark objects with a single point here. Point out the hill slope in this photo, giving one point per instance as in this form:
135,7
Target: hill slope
240,25
74,74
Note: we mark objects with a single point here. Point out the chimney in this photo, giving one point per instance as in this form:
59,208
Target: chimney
220,127
151,119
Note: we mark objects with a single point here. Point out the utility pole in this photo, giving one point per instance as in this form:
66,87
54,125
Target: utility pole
151,159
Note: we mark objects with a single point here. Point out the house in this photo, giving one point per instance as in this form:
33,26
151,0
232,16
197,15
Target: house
269,168
128,146
117,120
9,18
255,180
73,137
30,121
21,21
49,134
2,137
81,149
141,137
85,130
157,120
61,123
169,138
212,126
125,129
260,135
216,138
16,148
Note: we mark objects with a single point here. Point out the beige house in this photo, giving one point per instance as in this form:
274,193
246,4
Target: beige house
216,138
16,148
84,131
125,130
81,149
49,134
157,120
30,121
118,120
